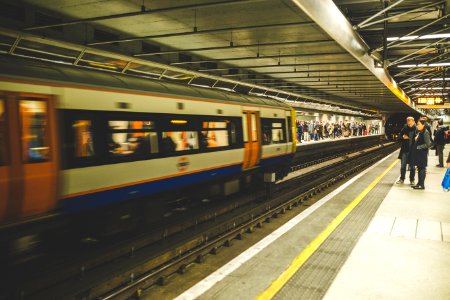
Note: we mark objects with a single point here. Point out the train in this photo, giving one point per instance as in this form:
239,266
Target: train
74,140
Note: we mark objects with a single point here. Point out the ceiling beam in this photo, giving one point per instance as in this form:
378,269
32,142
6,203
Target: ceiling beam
330,19
200,32
144,11
256,57
234,47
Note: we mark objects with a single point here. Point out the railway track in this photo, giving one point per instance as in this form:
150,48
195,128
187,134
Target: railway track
134,266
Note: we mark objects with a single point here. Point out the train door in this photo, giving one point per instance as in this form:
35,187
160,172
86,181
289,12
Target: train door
252,138
4,161
33,160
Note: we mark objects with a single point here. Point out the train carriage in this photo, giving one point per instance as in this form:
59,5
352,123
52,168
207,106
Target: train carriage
73,139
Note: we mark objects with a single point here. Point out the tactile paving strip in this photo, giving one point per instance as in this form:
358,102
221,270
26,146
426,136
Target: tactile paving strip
316,275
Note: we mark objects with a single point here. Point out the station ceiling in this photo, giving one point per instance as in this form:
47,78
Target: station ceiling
292,46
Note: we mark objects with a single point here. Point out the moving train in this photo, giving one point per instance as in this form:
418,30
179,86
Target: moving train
75,140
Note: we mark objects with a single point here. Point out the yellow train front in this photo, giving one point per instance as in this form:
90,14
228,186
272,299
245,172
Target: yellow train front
74,140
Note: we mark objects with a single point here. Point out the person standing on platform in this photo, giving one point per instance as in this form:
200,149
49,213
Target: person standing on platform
407,137
311,130
306,131
300,131
422,142
439,142
448,160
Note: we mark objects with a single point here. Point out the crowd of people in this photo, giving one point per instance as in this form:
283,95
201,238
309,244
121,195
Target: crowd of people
316,130
417,139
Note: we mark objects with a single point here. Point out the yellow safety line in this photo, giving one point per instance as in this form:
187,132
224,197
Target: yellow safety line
278,283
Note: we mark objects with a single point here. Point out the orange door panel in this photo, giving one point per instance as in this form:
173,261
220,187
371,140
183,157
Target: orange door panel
252,144
4,160
256,141
32,157
39,156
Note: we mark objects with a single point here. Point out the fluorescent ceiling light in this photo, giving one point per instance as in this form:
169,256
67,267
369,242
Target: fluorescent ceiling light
430,94
423,37
429,79
445,64
432,88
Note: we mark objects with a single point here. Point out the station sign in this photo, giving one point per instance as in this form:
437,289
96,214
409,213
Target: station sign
430,100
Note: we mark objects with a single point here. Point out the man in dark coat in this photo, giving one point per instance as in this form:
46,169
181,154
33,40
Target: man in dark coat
407,135
422,143
439,142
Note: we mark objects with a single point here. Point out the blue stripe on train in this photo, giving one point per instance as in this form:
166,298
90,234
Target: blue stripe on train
103,198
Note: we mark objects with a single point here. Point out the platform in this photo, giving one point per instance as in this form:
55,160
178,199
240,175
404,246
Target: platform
368,239
331,140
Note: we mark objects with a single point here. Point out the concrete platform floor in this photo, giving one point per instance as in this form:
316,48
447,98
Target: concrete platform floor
405,252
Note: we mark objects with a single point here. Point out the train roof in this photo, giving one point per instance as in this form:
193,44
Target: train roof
66,74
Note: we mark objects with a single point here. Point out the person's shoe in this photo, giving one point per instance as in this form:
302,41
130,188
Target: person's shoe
418,187
439,166
412,182
400,181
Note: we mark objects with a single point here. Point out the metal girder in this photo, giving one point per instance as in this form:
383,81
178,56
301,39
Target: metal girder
416,76
396,43
328,17
426,65
199,32
278,56
234,46
361,24
414,52
143,12
425,54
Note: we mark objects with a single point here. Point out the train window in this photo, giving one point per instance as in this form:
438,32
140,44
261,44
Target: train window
277,133
254,128
244,127
2,133
273,131
290,137
175,141
215,134
35,137
128,138
84,146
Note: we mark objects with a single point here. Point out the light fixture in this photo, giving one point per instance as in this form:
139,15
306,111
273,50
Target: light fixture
429,79
178,122
423,37
445,64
